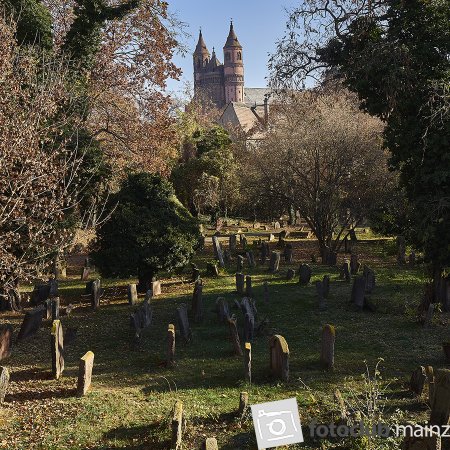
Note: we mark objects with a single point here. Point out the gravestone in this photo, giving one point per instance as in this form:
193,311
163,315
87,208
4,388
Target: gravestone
248,286
288,253
177,426
250,259
290,275
326,286
212,270
265,251
195,272
95,293
170,345
141,318
327,353
358,292
240,263
6,333
227,256
401,250
183,323
4,383
132,294
354,264
218,251
232,241
440,407
240,282
279,357
85,373
232,324
85,272
417,382
31,323
430,380
243,404
276,225
345,271
305,273
223,310
429,315
54,304
321,296
369,276
266,291
156,288
248,362
210,444
57,349
197,301
271,237
274,264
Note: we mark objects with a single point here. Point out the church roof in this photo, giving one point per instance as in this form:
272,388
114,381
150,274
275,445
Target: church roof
232,40
214,62
201,46
239,115
254,96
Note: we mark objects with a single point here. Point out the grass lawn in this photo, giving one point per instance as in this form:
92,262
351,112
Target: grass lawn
133,393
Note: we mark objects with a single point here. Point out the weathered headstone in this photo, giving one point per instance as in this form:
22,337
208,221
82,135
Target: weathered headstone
57,349
4,383
85,373
290,275
358,292
85,272
417,382
177,426
218,251
95,293
197,301
132,294
232,324
276,225
243,403
227,256
250,259
240,283
321,296
326,286
248,286
248,362
355,265
305,273
232,244
279,357
240,263
223,310
440,408
141,318
31,323
369,276
170,345
210,444
274,262
345,271
327,353
183,323
265,251
288,253
6,333
156,288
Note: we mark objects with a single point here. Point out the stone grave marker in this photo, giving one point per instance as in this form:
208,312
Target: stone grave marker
240,283
271,237
85,373
141,318
417,382
305,273
369,276
243,404
232,324
210,444
53,284
85,272
279,357
326,286
232,243
31,323
170,345
57,348
197,301
321,296
240,263
227,256
440,407
288,253
177,426
4,383
345,271
156,288
274,264
327,353
40,294
95,293
265,251
6,333
276,225
218,251
223,310
250,259
290,275
430,380
248,286
132,294
355,265
183,323
248,362
358,292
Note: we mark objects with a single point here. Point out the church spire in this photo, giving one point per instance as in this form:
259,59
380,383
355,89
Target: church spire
232,40
201,48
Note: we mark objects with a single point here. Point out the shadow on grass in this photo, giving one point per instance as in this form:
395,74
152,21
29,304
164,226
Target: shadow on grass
40,395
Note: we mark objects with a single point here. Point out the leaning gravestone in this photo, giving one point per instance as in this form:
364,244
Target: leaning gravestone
248,362
248,286
440,408
240,282
6,333
85,373
132,294
183,323
170,345
218,251
321,295
279,357
327,353
417,382
223,310
305,274
358,292
86,271
326,286
197,301
141,318
177,426
232,324
4,382
57,347
274,262
31,323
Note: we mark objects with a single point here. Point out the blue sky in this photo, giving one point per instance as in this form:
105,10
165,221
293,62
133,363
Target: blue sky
258,25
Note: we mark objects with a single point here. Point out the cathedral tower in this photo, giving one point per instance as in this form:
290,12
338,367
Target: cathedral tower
201,60
233,69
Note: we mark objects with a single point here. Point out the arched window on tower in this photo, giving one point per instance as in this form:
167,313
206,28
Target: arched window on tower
239,56
227,56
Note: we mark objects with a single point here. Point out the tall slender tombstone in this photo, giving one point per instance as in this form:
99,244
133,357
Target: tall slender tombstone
197,301
345,271
183,323
31,323
240,283
243,404
6,334
326,286
274,264
55,303
95,294
288,253
440,408
240,263
248,362
170,345
354,264
265,252
57,348
327,353
85,373
232,244
305,273
232,324
248,286
210,444
132,294
218,251
4,383
279,357
177,426
321,296
250,259
358,292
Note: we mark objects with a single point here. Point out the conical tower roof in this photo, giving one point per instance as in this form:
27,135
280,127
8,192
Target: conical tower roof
201,48
214,61
232,40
